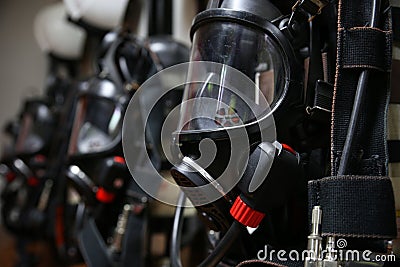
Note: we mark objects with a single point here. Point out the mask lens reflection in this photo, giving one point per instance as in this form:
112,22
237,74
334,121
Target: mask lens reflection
97,124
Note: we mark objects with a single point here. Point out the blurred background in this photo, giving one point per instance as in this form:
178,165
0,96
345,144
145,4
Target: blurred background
23,68
23,65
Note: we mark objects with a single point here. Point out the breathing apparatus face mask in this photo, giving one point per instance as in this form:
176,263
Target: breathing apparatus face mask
97,123
240,38
96,126
249,51
257,48
96,138
99,111
36,129
96,173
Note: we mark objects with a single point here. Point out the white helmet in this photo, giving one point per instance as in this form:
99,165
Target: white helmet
56,35
103,14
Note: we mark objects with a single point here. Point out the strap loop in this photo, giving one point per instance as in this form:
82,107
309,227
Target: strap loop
359,48
355,206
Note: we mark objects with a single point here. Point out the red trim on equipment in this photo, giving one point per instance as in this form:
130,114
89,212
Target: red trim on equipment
33,181
246,215
104,196
120,160
10,176
289,149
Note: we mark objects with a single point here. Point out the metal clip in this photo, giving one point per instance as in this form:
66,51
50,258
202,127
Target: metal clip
45,195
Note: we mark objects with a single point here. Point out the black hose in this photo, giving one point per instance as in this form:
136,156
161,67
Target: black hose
358,99
177,232
219,251
223,245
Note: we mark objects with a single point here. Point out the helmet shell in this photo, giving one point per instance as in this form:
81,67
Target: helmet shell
56,35
102,14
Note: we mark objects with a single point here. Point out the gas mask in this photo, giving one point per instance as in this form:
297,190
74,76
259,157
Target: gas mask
38,117
37,125
96,171
126,63
97,122
27,197
97,174
27,192
249,103
11,180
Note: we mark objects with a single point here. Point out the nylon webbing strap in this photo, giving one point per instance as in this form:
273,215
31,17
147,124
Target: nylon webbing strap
364,47
134,241
360,204
369,152
370,218
93,248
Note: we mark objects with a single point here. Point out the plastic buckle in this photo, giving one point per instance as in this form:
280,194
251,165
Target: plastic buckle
322,106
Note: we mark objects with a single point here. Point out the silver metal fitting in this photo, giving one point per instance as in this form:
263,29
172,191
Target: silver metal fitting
314,240
121,228
330,259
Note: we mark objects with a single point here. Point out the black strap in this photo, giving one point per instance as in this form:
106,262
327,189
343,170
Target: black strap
133,253
359,205
93,248
369,153
364,47
109,62
355,206
96,253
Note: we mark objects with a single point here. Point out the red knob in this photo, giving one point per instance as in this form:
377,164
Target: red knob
246,215
104,196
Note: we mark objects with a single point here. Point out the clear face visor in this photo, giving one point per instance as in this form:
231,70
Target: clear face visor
97,126
246,85
35,133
